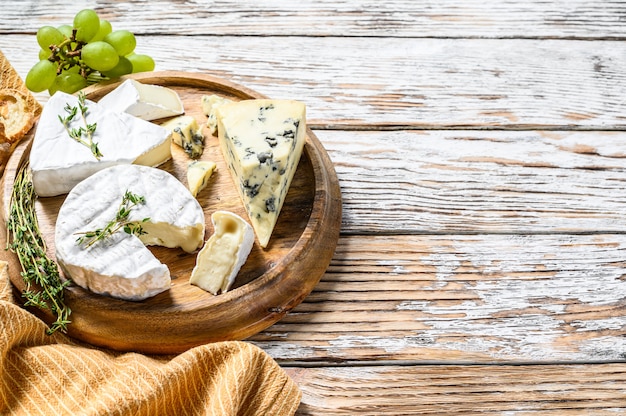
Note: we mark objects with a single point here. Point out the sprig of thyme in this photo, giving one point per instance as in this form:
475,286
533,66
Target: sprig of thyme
120,222
44,287
87,131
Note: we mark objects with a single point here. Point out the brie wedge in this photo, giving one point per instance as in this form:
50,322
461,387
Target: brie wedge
121,265
262,141
146,101
223,254
59,162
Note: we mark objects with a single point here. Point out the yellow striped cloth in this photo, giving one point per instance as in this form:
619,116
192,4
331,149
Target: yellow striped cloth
54,375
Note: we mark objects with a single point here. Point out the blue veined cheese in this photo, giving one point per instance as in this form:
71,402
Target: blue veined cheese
198,174
58,162
186,134
146,101
121,265
222,256
262,141
210,103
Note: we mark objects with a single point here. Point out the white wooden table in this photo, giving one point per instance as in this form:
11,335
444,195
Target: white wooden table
481,152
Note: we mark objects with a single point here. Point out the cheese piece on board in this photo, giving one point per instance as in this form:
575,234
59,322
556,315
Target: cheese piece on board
186,134
262,141
198,174
209,104
223,254
121,265
58,162
146,101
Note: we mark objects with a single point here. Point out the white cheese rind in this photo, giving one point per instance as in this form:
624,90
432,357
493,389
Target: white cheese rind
262,141
224,253
146,101
121,265
58,162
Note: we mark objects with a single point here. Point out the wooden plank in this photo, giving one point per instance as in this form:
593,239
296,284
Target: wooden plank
463,390
408,83
399,18
462,298
480,181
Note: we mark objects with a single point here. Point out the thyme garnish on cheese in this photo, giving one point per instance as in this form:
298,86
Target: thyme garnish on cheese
120,222
83,135
44,287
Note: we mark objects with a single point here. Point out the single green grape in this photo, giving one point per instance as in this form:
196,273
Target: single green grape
41,76
123,41
66,30
67,82
105,29
73,69
123,67
48,35
99,56
141,63
44,54
87,24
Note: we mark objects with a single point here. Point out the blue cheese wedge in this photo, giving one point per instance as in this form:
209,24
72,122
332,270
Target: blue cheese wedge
222,256
262,141
146,101
59,162
186,134
121,265
198,174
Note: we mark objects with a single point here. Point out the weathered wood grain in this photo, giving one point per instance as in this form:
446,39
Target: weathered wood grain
554,390
461,298
365,83
399,18
433,182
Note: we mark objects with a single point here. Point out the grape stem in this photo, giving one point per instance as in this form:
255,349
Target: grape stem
67,55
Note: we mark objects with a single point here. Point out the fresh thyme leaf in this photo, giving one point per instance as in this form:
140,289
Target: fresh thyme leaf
120,222
87,131
44,287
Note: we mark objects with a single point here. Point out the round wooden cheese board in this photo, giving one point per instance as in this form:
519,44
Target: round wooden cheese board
272,281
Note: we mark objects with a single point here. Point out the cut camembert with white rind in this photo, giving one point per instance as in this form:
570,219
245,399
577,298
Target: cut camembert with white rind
58,162
121,265
146,101
262,141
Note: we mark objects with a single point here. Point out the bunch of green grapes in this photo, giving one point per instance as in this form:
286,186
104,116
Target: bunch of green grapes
89,51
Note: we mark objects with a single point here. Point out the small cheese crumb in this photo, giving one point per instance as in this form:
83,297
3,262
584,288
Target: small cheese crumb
198,174
210,103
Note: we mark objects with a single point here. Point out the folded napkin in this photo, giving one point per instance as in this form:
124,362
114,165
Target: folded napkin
55,375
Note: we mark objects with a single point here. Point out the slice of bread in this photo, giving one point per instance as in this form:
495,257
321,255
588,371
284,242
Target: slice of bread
16,119
18,110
